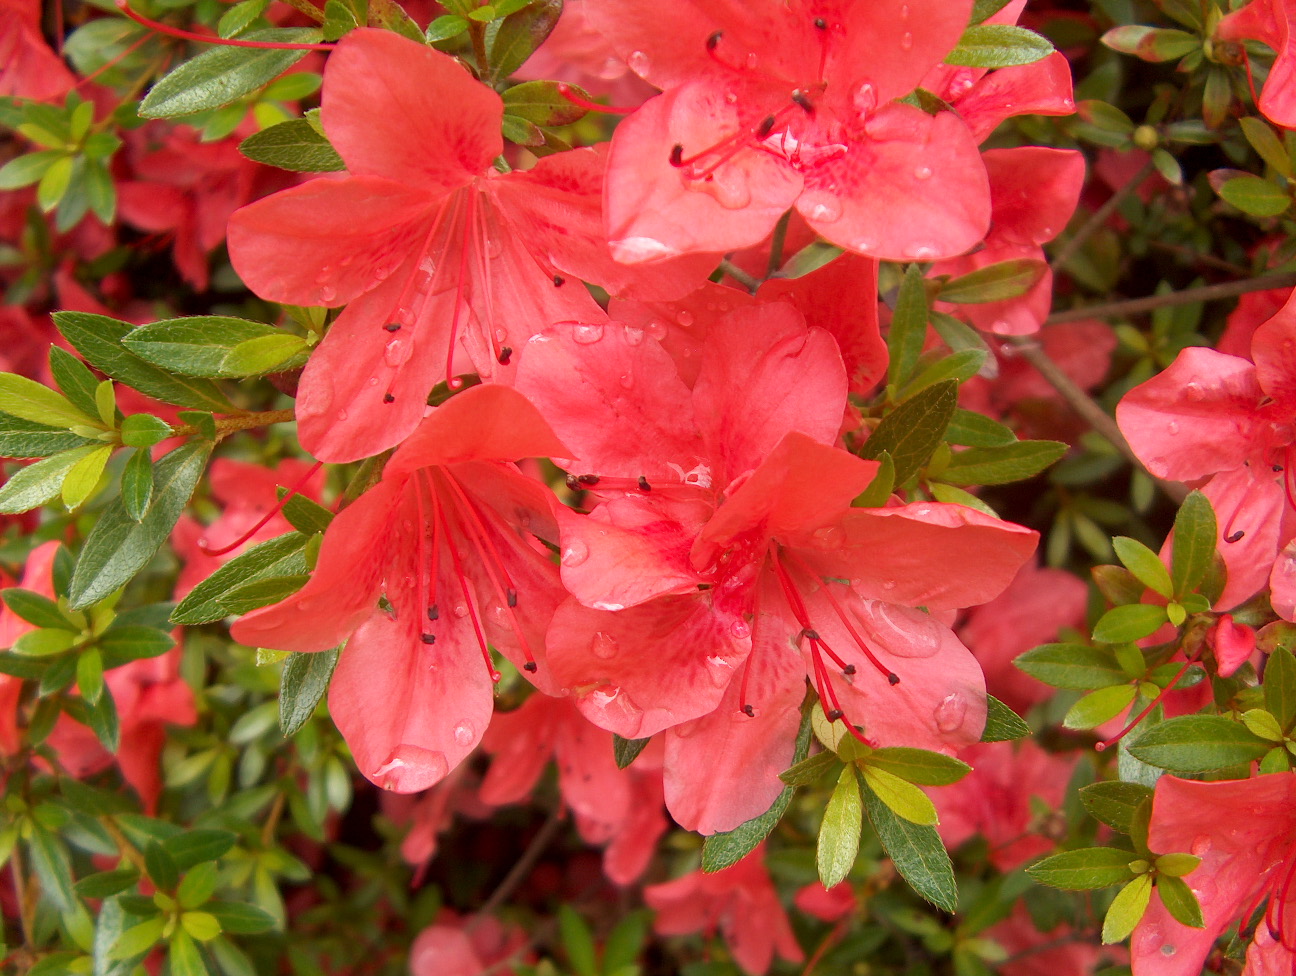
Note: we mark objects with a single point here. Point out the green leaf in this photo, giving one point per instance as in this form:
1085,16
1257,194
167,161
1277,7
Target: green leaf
958,366
1262,724
263,592
1085,869
39,483
882,485
1002,465
202,926
208,601
577,942
1180,901
304,515
519,34
1072,666
144,430
26,170
54,184
198,345
908,327
138,939
118,547
919,765
1279,685
29,400
911,431
90,674
839,834
41,611
1177,864
1131,622
49,860
521,132
103,720
904,799
1099,706
1255,195
83,477
984,9
161,866
265,354
995,282
1153,44
293,145
540,102
137,484
240,919
626,751
812,257
77,383
1002,723
998,46
1145,564
1198,744
106,883
720,851
1194,544
445,27
1127,909
1114,802
240,16
185,957
220,75
99,339
1265,142
305,680
624,944
44,643
968,428
809,771
193,847
28,439
122,643
917,852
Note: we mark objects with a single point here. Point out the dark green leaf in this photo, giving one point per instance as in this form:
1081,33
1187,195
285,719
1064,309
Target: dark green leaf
305,680
106,883
994,282
444,28
917,852
161,866
49,860
1279,686
998,46
720,851
91,800
911,431
137,484
984,9
521,132
305,515
968,428
122,643
1198,744
240,919
220,75
99,339
1151,43
206,603
118,547
1114,802
1180,901
519,34
812,257
263,592
36,609
27,439
1002,465
22,666
809,771
196,346
908,327
1194,543
577,942
1072,666
1085,869
882,485
626,751
919,765
196,846
958,366
1129,623
293,145
1002,723
77,383
839,834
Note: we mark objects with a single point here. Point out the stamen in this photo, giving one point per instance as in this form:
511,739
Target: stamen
209,39
392,326
820,23
643,484
713,40
580,101
505,354
559,281
467,593
677,155
433,612
731,145
803,99
766,125
428,638
389,398
1108,743
278,507
465,238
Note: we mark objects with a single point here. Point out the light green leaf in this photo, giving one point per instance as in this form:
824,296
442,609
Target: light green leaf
293,145
1127,909
1098,707
29,400
1085,869
839,834
904,799
916,851
998,46
1145,564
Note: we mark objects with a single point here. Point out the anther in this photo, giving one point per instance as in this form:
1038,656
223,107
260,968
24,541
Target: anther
833,714
802,99
893,678
388,398
749,711
677,155
703,587
530,666
505,354
848,670
559,280
809,634
766,127
573,483
512,597
1277,469
588,479
392,326
1235,537
428,638
643,484
820,23
713,40
434,612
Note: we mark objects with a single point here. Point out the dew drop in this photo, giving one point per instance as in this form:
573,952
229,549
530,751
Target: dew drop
327,293
740,629
638,62
1001,327
397,352
463,734
373,381
342,415
922,173
731,97
626,381
950,712
633,336
685,318
603,645
920,252
1194,392
889,584
719,670
1200,845
820,207
656,329
460,610
904,11
605,695
575,553
587,334
828,537
865,99
906,41
1172,428
752,61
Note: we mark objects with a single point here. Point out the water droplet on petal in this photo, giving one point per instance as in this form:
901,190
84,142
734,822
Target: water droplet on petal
327,293
922,173
603,645
731,97
1194,392
865,99
950,712
633,336
656,329
889,584
463,733
638,62
575,553
1000,327
829,537
1200,845
342,415
920,252
626,381
685,318
719,670
821,207
1172,428
752,61
397,352
587,334
740,629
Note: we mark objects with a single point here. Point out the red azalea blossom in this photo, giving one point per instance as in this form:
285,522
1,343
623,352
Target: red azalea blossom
790,104
1270,21
417,576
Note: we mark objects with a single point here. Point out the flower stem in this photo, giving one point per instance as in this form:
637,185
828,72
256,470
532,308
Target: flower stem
548,830
242,421
739,275
1206,293
1096,220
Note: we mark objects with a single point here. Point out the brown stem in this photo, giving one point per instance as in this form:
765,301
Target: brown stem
1086,408
1206,293
272,820
477,34
124,846
1096,220
242,421
523,867
26,906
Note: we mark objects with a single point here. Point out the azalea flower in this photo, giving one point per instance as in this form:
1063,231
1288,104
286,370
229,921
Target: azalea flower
725,566
420,576
435,253
1231,423
1244,831
1270,21
790,104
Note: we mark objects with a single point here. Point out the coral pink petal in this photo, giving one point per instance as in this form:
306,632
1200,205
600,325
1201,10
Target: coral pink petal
682,326
914,188
655,211
1270,21
402,110
891,44
764,376
1253,506
1273,349
1194,418
1033,191
1040,88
